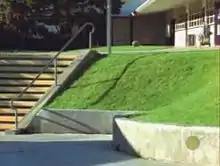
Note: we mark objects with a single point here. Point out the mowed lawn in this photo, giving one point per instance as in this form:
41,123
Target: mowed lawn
179,88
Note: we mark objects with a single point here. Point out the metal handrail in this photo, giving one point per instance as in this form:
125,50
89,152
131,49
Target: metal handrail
52,60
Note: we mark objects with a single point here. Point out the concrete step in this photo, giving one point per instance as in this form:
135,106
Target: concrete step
25,82
8,111
9,119
26,76
38,57
17,104
6,126
14,69
18,89
29,96
12,62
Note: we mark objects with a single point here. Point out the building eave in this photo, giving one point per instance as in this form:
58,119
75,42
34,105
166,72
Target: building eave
152,6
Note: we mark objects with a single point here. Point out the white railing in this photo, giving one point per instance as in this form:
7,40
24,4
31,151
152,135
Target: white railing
195,20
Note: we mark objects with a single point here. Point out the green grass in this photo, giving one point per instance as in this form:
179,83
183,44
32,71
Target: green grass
180,88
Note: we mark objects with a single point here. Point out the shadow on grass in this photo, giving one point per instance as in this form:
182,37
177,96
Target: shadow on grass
117,80
94,83
79,72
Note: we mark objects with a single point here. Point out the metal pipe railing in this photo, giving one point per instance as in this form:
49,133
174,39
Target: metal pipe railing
52,60
55,71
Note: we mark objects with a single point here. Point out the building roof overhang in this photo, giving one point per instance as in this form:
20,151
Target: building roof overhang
153,6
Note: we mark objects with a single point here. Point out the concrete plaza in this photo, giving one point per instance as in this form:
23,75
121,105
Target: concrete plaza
65,150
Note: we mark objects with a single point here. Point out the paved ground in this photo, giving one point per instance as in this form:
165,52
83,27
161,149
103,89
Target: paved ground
175,49
64,150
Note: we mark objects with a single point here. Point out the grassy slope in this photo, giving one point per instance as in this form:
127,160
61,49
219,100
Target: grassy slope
175,87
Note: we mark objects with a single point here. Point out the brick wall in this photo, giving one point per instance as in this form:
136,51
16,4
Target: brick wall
147,29
150,29
121,31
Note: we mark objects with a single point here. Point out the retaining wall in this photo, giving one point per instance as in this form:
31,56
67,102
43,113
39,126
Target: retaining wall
75,121
194,145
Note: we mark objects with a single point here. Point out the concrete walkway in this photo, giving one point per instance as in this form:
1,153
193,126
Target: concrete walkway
141,51
167,50
65,150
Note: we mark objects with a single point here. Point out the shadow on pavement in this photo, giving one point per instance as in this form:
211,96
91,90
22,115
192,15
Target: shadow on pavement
60,153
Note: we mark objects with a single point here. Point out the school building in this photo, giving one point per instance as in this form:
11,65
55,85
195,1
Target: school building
168,22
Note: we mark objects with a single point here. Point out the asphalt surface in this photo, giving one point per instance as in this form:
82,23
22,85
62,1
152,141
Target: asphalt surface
65,150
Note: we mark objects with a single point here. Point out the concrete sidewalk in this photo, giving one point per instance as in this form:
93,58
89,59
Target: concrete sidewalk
141,51
65,150
167,50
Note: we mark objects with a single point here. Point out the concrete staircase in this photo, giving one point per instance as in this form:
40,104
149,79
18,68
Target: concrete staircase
16,72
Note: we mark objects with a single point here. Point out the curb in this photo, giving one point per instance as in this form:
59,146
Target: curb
181,144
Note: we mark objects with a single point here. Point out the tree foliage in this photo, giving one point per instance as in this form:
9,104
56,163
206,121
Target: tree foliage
18,12
27,19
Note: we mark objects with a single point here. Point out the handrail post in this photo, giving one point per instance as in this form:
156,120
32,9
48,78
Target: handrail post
16,119
90,35
109,26
15,113
55,71
90,40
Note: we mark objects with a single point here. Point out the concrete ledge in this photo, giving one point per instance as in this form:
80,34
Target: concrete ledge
189,145
75,121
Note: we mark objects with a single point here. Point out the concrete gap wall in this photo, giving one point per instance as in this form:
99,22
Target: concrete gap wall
75,121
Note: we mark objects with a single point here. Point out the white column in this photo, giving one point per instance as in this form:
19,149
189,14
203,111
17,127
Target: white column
205,10
109,26
187,22
188,12
168,19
